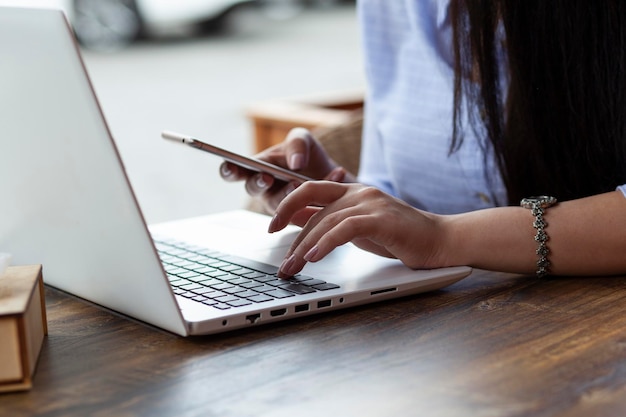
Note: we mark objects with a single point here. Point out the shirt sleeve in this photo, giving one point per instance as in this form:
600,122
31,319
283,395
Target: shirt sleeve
622,188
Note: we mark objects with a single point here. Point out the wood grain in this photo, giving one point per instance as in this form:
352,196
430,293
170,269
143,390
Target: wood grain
491,345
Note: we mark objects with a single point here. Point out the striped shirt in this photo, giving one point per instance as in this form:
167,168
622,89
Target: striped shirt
409,112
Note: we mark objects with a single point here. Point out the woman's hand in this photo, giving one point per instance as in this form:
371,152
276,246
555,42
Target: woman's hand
333,214
299,152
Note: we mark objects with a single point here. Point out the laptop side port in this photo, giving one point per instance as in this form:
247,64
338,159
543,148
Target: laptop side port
302,307
383,291
253,318
279,312
324,303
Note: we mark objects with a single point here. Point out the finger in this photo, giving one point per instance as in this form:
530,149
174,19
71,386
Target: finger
312,193
259,183
231,172
324,221
317,240
320,242
298,144
337,175
303,216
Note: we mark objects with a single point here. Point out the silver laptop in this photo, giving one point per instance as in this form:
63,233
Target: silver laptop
66,203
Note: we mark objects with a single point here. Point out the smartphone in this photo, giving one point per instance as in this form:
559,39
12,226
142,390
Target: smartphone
237,159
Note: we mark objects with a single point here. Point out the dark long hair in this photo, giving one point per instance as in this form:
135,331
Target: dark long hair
560,128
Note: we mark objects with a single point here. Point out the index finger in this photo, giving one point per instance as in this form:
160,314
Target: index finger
313,193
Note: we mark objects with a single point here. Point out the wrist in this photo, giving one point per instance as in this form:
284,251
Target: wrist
499,239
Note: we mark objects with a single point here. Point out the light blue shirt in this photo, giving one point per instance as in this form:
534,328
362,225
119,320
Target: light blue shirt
409,112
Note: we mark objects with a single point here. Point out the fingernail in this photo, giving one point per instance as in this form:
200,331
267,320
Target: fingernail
285,267
310,255
296,161
274,224
260,182
226,172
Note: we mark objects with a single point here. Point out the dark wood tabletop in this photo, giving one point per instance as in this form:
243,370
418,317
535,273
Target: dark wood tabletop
491,345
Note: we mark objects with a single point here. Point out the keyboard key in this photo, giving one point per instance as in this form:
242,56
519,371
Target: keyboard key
234,290
187,294
221,306
204,260
216,274
253,274
265,278
247,294
260,298
229,277
191,286
199,278
263,288
250,264
205,290
203,269
251,284
279,293
222,286
325,286
219,264
181,282
209,281
188,274
230,268
309,281
276,282
226,298
215,294
174,270
297,288
182,263
239,281
239,303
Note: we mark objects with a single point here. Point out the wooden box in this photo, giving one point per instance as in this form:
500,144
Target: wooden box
23,325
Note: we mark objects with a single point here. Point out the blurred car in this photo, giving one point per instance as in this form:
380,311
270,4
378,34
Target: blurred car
111,24
108,25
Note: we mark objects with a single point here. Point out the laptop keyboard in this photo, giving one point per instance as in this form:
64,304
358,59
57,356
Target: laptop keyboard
225,281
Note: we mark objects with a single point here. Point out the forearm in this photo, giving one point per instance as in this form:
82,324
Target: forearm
587,237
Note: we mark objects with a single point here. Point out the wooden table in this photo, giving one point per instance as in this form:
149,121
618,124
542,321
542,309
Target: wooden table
491,345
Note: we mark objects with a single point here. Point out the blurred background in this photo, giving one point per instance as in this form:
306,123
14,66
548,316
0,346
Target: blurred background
197,67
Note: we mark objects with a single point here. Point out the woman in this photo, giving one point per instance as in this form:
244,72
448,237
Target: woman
473,106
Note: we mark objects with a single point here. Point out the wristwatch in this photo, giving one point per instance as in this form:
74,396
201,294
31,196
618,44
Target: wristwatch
537,205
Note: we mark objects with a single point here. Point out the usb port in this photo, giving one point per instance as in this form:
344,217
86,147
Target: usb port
324,303
302,307
279,312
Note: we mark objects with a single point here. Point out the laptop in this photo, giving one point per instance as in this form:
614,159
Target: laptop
67,204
